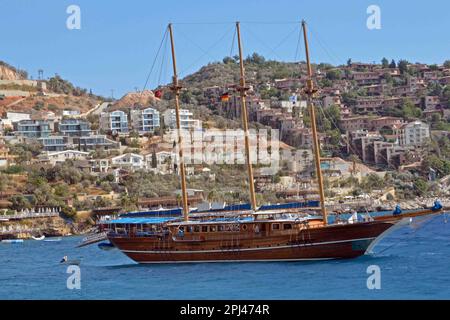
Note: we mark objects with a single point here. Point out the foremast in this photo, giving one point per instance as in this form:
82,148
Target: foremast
176,90
310,91
243,93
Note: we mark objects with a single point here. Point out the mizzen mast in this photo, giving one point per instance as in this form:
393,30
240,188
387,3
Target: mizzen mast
176,90
242,90
310,90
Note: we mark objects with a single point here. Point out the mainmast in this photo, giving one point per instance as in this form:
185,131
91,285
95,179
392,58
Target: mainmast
242,89
176,90
310,90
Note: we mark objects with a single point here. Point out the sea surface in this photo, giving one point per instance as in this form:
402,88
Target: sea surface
414,263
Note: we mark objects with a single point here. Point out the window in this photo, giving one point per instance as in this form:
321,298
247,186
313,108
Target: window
275,226
221,227
196,228
204,228
212,228
287,226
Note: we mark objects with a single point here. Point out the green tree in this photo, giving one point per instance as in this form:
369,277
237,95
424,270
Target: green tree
403,66
334,74
385,63
392,65
154,159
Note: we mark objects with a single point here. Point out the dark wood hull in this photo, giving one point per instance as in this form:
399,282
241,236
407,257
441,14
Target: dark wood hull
328,242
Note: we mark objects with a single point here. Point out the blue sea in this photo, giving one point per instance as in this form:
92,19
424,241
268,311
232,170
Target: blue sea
414,263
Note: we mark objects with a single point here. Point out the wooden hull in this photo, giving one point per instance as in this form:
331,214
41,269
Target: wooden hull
329,242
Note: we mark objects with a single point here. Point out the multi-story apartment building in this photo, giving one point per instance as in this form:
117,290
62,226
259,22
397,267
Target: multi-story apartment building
145,121
33,128
372,104
186,120
366,78
74,127
54,143
370,123
84,143
415,133
93,142
115,122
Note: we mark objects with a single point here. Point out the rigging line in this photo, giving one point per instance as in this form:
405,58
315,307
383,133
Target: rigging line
315,35
410,236
263,43
286,38
297,48
299,41
207,51
196,44
278,45
203,23
233,22
232,43
271,22
163,63
154,61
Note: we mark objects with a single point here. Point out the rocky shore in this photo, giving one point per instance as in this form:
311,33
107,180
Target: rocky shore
377,205
49,227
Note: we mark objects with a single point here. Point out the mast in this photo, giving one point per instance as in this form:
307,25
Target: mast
310,90
176,90
242,89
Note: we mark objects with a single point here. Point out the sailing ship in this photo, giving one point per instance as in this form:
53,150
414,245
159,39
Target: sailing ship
268,233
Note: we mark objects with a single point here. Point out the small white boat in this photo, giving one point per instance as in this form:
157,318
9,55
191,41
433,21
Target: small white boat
38,238
12,241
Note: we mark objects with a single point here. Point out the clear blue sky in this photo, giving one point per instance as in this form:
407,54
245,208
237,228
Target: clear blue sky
118,40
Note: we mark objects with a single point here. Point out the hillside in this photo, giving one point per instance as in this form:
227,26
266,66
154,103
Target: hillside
55,94
8,72
48,103
257,69
143,99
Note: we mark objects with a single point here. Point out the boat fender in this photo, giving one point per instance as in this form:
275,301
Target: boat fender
397,210
437,206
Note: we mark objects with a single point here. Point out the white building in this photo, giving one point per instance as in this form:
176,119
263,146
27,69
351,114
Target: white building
17,116
165,161
115,122
186,120
414,133
144,121
61,156
131,161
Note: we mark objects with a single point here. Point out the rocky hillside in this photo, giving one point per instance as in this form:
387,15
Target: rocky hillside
8,72
143,98
54,94
54,104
